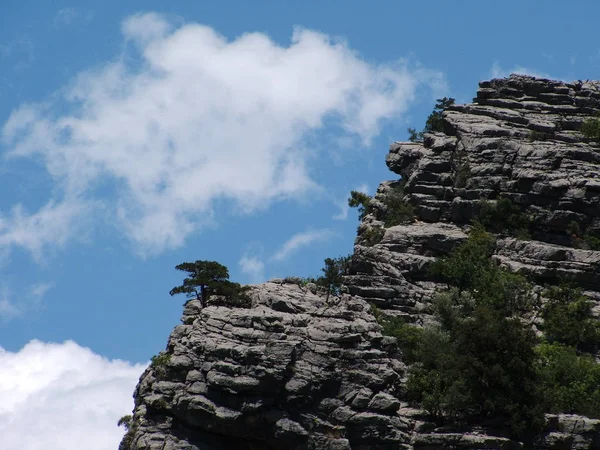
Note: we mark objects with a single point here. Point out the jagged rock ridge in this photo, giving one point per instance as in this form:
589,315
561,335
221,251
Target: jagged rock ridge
296,372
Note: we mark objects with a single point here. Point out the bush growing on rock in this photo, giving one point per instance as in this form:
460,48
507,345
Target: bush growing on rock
333,274
408,337
125,422
398,212
568,319
505,216
591,129
434,120
371,236
209,278
361,201
479,362
569,382
483,361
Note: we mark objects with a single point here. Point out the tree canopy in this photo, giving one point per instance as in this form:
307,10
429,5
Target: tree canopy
206,278
361,201
333,274
434,120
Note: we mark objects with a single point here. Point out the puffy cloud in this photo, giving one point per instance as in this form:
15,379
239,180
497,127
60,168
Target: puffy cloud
299,240
63,396
190,117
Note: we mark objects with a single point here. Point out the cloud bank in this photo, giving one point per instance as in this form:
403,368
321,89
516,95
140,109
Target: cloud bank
187,117
63,396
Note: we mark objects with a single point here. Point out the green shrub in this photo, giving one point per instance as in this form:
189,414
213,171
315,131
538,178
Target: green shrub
125,422
568,319
483,361
398,212
569,383
159,364
504,216
333,274
160,360
414,135
434,120
300,281
479,366
371,236
591,129
479,362
407,336
362,202
466,264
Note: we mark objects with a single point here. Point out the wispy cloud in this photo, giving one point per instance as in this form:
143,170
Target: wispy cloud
253,267
13,305
76,394
40,289
299,240
41,232
343,204
210,119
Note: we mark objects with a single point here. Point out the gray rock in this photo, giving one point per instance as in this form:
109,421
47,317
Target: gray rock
295,372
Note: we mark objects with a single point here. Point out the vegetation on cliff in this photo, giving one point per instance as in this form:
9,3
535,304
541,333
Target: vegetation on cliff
591,129
434,121
483,362
209,278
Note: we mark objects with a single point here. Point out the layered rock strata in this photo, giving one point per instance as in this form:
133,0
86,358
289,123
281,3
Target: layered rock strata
293,372
519,140
297,372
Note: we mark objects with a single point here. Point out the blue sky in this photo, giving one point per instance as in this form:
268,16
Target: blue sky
138,136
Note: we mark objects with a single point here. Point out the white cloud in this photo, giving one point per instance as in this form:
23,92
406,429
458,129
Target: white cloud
299,240
254,267
48,228
343,204
12,305
499,72
40,289
194,117
63,396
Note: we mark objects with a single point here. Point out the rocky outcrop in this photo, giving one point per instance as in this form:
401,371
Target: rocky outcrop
297,372
292,372
519,140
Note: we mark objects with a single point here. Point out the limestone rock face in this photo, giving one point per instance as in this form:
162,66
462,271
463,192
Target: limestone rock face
519,140
295,372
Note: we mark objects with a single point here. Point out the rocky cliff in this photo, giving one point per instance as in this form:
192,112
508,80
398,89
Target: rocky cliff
298,372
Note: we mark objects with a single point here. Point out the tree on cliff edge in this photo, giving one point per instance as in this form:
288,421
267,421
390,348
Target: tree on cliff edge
207,278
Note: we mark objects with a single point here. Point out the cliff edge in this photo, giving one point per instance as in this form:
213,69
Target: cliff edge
298,372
